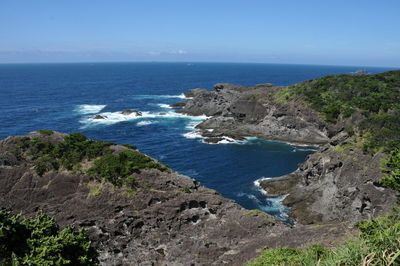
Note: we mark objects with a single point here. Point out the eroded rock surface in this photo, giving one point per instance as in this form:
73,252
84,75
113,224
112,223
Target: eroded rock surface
338,183
250,111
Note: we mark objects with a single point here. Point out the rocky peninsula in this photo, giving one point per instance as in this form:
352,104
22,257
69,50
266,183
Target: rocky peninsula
340,182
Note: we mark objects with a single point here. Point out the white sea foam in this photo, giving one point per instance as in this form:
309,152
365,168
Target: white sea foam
163,105
144,123
257,184
149,96
115,117
89,108
228,140
192,135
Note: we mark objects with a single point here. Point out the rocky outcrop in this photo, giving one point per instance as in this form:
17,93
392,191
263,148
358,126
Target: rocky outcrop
166,219
250,111
100,117
338,183
129,112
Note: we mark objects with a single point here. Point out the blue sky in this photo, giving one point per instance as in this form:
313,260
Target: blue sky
287,31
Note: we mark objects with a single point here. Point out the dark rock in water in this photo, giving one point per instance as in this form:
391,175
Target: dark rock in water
213,140
128,112
178,105
100,117
162,113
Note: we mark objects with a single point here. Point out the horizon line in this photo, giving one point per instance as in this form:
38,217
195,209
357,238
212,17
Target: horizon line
187,62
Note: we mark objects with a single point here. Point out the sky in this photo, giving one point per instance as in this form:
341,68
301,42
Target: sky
328,32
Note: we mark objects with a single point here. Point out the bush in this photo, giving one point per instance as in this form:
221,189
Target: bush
39,241
376,96
115,168
68,153
46,132
391,166
130,146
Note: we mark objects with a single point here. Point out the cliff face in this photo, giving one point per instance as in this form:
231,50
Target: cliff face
338,183
165,218
250,111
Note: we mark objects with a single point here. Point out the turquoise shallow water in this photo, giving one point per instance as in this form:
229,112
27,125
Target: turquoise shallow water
65,96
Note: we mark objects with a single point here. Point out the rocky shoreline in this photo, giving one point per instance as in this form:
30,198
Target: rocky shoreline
337,183
168,219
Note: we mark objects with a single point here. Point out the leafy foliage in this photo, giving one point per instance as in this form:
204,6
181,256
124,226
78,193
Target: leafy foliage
392,170
67,154
377,244
116,168
375,97
47,132
76,147
39,241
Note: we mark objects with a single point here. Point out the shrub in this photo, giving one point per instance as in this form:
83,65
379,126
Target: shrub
46,132
68,153
376,96
130,146
116,167
39,241
391,166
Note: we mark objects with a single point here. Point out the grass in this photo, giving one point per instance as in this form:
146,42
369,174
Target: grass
377,244
253,212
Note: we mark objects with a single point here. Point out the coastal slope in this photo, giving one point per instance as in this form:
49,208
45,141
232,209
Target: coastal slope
353,118
148,215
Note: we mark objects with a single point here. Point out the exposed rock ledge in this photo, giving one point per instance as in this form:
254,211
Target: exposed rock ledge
250,111
160,224
334,184
338,183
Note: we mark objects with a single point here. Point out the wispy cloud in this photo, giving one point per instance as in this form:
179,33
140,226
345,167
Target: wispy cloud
170,52
180,51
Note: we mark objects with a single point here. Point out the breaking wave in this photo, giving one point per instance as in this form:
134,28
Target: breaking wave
89,108
144,123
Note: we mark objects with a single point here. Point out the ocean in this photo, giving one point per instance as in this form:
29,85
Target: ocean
65,97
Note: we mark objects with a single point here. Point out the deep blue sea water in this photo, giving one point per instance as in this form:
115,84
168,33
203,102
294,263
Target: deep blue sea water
65,96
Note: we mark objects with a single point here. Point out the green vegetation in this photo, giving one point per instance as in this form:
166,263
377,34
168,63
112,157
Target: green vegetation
116,168
186,189
391,166
376,98
46,132
39,241
67,154
76,147
377,244
130,146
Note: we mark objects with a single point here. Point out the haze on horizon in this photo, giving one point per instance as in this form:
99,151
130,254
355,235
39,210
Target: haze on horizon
361,33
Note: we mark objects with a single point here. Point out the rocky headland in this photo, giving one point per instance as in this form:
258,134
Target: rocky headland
340,182
159,218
